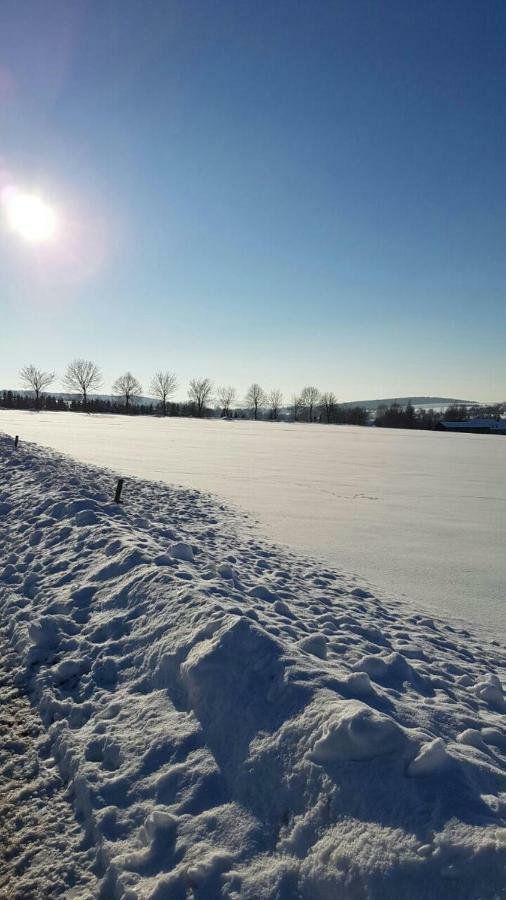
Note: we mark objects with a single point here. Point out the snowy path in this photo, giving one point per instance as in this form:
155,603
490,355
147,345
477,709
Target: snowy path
42,851
418,514
234,720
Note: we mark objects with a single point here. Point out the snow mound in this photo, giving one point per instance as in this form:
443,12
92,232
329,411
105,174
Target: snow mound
491,692
390,668
355,731
315,644
262,592
431,758
182,551
230,719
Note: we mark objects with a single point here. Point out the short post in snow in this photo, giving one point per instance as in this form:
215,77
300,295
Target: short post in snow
119,488
16,440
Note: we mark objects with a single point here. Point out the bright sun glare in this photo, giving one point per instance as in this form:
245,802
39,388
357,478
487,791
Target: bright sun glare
30,217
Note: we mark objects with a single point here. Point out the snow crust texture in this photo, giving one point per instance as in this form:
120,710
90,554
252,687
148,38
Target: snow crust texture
227,718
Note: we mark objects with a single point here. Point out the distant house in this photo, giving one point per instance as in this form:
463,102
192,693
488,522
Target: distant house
476,426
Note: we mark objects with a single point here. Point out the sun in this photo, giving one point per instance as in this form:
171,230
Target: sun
30,217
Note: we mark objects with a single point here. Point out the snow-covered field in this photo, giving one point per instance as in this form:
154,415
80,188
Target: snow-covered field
416,514
227,718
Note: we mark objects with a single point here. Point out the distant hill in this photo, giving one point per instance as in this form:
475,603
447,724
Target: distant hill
427,402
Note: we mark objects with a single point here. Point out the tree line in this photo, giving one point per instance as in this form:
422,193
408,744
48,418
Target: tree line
83,378
397,416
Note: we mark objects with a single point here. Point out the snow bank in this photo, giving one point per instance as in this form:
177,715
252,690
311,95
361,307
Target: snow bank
234,721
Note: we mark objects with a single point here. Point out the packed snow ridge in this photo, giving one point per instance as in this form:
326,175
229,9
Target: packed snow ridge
227,719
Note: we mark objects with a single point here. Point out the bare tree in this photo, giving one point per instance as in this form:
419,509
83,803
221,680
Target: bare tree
163,385
310,396
200,392
328,402
255,399
275,400
82,376
296,406
36,380
226,396
127,387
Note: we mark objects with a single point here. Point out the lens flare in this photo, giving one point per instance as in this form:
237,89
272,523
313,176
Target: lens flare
29,216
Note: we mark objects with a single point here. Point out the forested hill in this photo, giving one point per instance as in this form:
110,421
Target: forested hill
429,402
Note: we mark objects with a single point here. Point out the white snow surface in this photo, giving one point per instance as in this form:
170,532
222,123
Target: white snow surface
229,719
418,514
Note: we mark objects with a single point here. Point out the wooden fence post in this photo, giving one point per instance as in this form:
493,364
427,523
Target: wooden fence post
119,488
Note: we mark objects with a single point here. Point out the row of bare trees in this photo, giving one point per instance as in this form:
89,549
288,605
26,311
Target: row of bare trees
203,393
82,376
309,405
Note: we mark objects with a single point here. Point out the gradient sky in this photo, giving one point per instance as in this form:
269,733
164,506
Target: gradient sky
288,192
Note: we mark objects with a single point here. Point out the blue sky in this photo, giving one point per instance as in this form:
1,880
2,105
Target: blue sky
286,192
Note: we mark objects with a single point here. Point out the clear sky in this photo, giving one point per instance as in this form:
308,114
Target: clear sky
286,192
